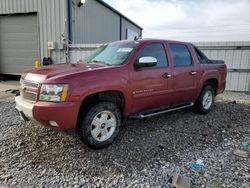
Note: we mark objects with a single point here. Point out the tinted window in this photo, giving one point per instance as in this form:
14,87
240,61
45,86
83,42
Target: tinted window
157,51
181,55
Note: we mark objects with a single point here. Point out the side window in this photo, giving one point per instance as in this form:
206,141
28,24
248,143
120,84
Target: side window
157,51
181,55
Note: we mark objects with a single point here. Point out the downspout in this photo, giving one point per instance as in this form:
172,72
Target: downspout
69,20
120,27
68,25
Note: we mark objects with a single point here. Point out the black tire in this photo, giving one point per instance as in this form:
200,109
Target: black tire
86,125
199,107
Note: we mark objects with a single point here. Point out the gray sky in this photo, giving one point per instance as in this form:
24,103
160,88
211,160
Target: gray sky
189,20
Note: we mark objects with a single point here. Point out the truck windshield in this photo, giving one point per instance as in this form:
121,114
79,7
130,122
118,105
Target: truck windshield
112,54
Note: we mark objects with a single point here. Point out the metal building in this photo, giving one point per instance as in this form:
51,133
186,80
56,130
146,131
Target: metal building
237,57
29,27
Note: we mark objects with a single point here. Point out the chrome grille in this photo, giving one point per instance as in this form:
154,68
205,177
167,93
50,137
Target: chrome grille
29,84
29,90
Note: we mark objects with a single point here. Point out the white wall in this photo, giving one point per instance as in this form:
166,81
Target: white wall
237,58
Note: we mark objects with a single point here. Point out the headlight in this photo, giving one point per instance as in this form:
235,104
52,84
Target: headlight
54,92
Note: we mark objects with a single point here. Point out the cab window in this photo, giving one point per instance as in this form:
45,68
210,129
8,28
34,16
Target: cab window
157,51
181,55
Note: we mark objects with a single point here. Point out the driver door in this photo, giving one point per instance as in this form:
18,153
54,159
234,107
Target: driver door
151,87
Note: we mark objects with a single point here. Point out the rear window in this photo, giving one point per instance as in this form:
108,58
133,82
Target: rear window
181,55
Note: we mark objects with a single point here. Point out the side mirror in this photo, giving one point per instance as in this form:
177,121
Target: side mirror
147,61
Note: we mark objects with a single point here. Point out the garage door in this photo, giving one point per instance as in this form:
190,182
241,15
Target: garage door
19,43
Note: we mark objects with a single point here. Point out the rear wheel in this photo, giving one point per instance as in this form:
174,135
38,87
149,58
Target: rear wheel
206,100
101,125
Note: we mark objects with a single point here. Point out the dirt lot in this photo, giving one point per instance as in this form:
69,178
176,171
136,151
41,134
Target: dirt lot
147,153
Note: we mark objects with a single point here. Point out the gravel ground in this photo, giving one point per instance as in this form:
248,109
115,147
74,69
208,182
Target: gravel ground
146,154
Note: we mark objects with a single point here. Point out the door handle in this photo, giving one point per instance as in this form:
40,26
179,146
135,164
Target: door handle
166,75
193,72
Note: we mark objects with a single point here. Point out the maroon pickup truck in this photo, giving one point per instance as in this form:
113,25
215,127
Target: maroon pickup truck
120,80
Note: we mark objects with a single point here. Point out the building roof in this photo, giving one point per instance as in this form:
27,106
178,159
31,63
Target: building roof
117,12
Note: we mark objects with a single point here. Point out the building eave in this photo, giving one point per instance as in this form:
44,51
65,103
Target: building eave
117,12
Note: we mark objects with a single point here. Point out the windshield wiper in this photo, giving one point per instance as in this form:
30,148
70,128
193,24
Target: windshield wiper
102,62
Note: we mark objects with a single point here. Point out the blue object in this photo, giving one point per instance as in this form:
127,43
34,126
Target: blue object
244,146
195,166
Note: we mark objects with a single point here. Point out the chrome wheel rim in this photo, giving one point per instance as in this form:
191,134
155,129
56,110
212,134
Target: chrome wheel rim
103,126
207,100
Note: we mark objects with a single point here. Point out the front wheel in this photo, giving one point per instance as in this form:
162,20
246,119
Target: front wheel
101,125
206,100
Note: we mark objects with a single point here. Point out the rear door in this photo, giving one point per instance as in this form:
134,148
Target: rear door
184,73
149,86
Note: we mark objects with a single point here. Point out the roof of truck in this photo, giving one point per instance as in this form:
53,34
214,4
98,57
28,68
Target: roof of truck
152,40
160,40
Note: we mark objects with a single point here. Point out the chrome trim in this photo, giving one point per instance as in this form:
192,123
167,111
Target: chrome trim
169,75
193,72
141,116
26,86
169,110
29,84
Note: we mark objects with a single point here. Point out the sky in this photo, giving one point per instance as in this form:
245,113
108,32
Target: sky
189,20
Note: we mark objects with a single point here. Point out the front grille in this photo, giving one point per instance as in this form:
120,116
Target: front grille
30,84
29,96
29,90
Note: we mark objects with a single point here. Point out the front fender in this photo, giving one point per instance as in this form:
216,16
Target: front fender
82,91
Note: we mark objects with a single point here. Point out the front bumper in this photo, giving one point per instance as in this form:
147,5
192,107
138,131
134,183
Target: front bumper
24,108
56,115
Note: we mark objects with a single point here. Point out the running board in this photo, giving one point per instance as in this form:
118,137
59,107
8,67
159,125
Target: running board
158,112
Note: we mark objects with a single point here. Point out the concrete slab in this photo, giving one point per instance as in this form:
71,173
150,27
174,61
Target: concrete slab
7,85
5,90
240,153
181,181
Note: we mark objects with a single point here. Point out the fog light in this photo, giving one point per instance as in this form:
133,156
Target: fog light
53,124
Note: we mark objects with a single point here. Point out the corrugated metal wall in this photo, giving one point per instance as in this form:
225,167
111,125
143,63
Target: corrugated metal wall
126,24
237,57
94,23
80,51
51,19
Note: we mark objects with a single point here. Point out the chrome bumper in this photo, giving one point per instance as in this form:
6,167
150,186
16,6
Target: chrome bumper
25,109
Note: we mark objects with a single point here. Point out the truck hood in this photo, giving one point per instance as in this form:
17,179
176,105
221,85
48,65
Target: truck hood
40,74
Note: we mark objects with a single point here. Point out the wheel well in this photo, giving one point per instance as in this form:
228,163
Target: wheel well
213,82
115,97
